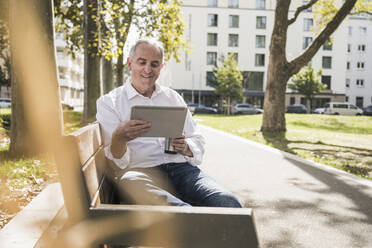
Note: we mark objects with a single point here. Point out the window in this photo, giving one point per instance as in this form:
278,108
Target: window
347,83
212,20
348,48
212,39
348,65
327,62
327,45
260,4
361,48
346,99
363,30
234,56
212,3
260,41
350,30
253,80
360,65
360,83
308,24
327,81
233,40
212,58
306,41
211,79
259,59
233,3
233,21
261,22
292,100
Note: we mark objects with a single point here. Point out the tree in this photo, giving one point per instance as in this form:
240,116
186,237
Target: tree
280,69
92,60
229,81
36,121
151,18
307,83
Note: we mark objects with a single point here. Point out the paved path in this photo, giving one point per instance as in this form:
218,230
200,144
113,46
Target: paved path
297,203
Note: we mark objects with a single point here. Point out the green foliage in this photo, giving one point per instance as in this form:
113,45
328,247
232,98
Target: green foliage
229,80
325,10
152,18
307,82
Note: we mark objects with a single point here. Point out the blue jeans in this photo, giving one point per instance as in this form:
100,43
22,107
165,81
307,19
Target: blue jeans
175,184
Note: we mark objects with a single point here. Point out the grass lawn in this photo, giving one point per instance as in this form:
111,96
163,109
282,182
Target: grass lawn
22,178
344,142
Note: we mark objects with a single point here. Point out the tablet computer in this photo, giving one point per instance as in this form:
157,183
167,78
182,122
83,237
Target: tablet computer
165,121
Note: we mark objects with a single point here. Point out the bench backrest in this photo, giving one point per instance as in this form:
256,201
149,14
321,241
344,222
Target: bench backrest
82,171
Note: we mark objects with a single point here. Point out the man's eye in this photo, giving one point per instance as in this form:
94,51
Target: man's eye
154,65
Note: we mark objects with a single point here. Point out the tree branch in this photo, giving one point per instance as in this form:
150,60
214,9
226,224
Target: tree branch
300,9
297,63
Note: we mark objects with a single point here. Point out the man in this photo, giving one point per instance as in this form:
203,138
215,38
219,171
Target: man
150,176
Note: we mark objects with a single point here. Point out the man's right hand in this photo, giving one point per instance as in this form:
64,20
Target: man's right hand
125,132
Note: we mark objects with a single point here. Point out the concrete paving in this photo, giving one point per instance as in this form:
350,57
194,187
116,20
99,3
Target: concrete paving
297,203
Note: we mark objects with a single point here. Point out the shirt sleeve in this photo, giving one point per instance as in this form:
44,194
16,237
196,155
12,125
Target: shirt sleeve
194,139
109,119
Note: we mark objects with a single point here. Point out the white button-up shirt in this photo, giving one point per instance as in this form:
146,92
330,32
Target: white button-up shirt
115,107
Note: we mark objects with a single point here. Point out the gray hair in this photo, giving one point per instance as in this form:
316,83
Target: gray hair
149,42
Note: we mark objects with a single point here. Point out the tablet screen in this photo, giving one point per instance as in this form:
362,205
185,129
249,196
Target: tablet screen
165,121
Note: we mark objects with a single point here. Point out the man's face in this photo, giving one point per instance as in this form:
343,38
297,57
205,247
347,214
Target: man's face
145,67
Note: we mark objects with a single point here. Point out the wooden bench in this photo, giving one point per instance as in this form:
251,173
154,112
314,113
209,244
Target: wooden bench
95,219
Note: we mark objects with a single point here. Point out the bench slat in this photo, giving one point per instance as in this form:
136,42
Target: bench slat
88,140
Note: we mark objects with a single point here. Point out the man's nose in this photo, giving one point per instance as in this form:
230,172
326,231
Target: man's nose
148,68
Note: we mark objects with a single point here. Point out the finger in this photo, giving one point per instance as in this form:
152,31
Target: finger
138,122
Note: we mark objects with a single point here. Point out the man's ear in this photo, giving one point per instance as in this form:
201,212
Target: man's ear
129,64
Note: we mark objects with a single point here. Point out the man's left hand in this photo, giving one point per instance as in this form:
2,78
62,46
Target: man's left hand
181,146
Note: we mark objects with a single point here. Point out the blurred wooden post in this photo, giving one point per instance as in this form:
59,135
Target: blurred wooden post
36,122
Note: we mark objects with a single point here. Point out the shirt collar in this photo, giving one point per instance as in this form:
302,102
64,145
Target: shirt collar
132,92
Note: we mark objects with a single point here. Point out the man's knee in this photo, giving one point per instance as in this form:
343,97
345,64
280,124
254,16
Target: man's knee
223,199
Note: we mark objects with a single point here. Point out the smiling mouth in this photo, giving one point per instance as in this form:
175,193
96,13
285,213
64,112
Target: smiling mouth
146,76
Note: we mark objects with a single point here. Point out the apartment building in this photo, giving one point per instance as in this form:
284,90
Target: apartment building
71,75
216,28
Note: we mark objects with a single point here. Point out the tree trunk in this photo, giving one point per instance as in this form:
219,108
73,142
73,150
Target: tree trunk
107,75
119,69
92,62
36,122
277,73
279,70
308,105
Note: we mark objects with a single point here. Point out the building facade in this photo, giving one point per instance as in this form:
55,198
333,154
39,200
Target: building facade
71,75
216,28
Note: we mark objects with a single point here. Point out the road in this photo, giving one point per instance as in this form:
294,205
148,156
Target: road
297,203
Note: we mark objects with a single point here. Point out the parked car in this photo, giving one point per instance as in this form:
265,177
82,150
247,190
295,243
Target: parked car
5,103
202,109
342,108
245,108
296,108
367,110
318,111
